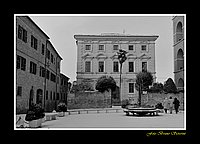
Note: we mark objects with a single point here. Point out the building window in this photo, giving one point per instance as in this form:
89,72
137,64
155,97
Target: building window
43,49
143,47
131,66
101,47
19,91
88,47
21,63
22,33
53,77
54,60
115,47
46,95
58,63
42,71
57,96
51,95
57,80
144,66
47,74
179,32
54,95
51,58
33,67
131,87
101,66
34,42
115,66
61,96
130,47
48,54
87,66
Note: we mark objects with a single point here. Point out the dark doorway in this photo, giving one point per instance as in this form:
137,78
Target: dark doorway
115,97
31,97
39,96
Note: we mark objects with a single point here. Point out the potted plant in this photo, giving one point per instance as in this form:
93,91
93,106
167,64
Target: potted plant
159,106
35,116
61,108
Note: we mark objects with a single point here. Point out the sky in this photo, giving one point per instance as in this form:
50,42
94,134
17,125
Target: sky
62,28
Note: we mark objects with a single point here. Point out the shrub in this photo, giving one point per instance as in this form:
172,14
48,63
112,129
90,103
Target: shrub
169,86
62,107
125,103
104,83
35,112
86,86
159,106
156,88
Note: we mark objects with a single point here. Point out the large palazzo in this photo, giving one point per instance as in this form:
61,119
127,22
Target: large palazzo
96,56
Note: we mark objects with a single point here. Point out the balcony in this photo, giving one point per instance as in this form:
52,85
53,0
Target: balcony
179,36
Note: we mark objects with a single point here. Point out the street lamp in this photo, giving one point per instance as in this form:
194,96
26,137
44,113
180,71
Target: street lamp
75,86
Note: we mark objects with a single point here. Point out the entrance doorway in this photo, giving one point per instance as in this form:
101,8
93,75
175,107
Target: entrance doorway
31,97
115,95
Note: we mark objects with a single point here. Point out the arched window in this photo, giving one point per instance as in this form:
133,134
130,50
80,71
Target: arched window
180,83
179,32
180,59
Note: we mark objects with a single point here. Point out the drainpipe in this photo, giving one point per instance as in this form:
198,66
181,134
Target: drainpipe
56,85
45,54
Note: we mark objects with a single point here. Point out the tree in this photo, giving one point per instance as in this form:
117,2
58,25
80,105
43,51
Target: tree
157,87
86,86
122,58
169,86
104,83
143,81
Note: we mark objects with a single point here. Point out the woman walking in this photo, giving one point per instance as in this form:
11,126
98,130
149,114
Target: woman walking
176,104
166,104
170,104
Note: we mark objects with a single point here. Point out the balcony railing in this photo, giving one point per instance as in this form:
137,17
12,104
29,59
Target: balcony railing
179,36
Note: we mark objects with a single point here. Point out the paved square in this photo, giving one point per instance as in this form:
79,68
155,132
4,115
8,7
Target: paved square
117,120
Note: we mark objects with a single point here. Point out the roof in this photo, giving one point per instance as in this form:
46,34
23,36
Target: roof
115,35
38,27
63,75
54,49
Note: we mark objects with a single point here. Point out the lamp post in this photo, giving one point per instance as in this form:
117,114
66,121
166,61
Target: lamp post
122,58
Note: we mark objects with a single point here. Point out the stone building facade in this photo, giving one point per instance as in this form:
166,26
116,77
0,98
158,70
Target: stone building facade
64,87
96,56
37,67
178,37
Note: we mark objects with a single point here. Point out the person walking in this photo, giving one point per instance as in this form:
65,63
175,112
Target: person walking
170,104
166,104
176,104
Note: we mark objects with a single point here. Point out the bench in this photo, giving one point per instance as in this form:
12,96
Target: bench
50,116
97,110
141,111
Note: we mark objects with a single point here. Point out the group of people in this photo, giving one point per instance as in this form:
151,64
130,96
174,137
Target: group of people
169,103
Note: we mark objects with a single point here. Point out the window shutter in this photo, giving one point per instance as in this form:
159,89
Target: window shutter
24,35
19,32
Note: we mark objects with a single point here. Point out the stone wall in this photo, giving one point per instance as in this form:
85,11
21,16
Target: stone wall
89,99
153,98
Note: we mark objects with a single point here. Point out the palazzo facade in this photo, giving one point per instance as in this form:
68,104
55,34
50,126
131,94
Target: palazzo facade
97,56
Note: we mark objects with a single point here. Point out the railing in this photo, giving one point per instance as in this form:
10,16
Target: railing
179,36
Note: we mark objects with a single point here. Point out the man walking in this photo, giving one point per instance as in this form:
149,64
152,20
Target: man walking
176,104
